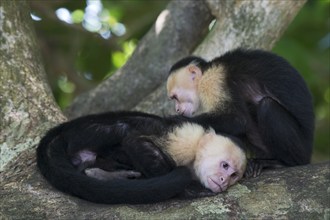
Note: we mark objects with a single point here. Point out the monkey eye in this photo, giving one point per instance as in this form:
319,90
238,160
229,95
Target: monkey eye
174,97
234,175
225,165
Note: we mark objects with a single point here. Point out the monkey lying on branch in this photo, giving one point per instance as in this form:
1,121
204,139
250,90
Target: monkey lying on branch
251,94
134,157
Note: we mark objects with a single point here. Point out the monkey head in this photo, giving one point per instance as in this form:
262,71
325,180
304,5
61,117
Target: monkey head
182,87
220,163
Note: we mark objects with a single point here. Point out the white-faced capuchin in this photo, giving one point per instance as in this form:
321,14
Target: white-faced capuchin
251,94
134,157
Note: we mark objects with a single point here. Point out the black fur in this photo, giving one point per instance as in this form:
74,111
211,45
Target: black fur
271,107
109,134
201,63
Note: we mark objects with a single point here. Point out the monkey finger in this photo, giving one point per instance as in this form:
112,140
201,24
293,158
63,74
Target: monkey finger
131,174
249,172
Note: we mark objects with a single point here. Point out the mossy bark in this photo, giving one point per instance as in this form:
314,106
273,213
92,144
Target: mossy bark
26,101
28,110
291,193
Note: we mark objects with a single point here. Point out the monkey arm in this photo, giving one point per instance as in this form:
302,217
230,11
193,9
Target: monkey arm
283,134
255,166
147,157
231,124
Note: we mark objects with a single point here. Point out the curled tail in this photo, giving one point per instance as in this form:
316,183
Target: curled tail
55,165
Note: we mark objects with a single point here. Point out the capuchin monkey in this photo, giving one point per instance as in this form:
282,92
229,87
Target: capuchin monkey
134,157
251,94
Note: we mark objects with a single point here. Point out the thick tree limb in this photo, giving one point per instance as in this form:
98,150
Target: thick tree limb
177,31
292,193
248,24
27,109
26,101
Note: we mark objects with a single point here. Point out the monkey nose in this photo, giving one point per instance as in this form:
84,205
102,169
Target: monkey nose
223,179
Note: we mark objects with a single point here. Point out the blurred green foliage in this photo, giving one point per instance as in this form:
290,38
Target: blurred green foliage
306,45
83,42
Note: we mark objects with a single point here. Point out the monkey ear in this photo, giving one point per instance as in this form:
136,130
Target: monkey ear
195,71
206,137
210,131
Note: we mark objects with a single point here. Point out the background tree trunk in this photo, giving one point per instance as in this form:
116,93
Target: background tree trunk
26,101
28,110
175,34
249,24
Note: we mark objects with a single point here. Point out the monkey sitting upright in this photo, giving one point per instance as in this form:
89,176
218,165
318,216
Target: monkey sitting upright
251,94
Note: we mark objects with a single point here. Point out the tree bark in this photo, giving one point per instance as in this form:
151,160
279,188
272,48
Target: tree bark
292,193
175,34
26,101
28,109
247,24
250,24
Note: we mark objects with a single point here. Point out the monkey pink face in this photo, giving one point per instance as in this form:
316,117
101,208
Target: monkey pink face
185,101
182,88
219,163
226,176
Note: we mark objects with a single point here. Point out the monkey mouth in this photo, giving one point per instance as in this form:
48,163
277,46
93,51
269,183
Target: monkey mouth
214,186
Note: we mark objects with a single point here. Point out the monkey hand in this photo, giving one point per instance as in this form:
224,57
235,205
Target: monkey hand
100,174
196,190
253,168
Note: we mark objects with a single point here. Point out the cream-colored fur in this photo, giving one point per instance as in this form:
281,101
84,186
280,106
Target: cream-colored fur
182,143
212,89
191,143
203,151
178,79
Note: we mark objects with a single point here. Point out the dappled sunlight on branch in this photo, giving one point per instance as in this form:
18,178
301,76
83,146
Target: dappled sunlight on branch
160,22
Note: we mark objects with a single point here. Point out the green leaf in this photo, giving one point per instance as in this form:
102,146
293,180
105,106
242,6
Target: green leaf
77,16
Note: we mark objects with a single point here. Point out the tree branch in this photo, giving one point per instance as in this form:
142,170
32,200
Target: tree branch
291,193
248,24
27,106
177,31
28,109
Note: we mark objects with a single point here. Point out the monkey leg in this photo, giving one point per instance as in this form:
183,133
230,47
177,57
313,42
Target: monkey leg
280,132
233,124
196,190
146,157
100,174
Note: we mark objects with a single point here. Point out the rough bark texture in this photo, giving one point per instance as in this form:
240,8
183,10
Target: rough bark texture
28,109
175,34
26,101
248,24
293,193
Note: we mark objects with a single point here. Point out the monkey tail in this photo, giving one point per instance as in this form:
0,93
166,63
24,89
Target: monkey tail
55,165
